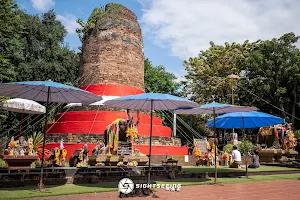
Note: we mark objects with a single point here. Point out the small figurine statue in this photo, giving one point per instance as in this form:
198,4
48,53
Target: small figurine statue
22,142
56,153
30,150
63,155
22,152
85,154
11,146
62,144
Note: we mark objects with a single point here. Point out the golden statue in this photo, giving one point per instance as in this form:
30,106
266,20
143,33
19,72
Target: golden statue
56,154
63,154
30,150
132,133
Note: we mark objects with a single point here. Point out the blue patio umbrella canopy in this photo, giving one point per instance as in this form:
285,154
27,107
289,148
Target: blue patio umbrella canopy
151,101
49,92
215,108
39,90
241,120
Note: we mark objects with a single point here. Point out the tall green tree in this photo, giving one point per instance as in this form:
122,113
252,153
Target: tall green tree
158,80
272,73
269,75
32,48
10,44
45,55
206,74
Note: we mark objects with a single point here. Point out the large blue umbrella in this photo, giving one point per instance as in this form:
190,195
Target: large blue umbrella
39,91
49,92
215,108
242,120
151,101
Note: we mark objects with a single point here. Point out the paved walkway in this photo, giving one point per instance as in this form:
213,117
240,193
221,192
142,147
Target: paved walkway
275,190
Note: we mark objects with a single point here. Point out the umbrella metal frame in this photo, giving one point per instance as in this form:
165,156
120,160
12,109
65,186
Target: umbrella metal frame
44,140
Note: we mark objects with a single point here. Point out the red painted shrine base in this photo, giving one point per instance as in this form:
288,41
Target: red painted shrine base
156,150
95,122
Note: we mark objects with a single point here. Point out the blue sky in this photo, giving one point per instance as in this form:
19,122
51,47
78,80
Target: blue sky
174,30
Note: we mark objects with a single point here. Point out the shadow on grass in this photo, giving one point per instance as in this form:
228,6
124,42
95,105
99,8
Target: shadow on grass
99,185
201,169
185,180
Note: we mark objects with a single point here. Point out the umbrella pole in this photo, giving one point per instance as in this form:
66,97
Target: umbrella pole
243,120
21,125
150,148
215,131
44,141
191,124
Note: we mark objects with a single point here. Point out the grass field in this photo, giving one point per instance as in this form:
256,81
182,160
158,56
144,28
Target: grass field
262,168
28,192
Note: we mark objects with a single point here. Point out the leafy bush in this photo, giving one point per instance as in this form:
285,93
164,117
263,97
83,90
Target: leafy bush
3,164
245,146
38,163
38,138
297,134
228,148
3,143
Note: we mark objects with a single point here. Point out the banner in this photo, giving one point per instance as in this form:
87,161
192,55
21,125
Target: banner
200,143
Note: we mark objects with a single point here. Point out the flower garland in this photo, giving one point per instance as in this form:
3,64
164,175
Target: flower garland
132,133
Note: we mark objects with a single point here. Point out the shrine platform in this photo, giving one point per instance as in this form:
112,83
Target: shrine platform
144,149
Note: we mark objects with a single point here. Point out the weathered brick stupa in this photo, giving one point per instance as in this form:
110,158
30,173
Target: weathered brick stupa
112,65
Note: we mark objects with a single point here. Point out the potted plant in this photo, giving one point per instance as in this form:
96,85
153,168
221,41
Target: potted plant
38,139
3,164
38,163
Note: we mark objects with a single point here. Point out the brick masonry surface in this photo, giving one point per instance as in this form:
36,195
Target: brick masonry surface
112,52
99,139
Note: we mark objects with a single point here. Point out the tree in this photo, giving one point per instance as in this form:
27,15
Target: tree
10,44
158,80
32,48
45,56
269,71
272,73
206,74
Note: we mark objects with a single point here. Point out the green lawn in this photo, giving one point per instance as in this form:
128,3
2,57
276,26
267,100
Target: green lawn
28,192
262,168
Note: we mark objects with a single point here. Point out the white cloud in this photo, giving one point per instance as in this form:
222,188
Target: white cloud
42,5
179,73
69,21
187,26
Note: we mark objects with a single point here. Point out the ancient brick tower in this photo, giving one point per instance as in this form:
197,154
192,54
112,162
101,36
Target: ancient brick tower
113,50
112,65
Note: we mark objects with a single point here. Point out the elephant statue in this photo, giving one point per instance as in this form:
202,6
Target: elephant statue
116,131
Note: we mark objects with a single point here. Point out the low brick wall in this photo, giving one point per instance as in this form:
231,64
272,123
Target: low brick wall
99,139
191,160
157,160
